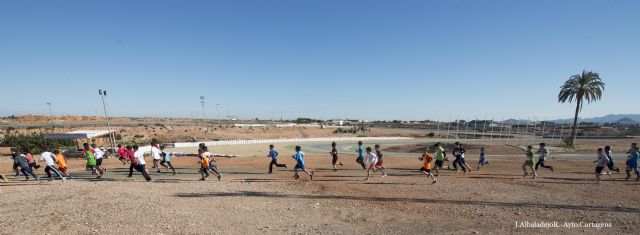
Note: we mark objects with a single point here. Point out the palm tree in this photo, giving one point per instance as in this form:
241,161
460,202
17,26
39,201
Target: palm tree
586,86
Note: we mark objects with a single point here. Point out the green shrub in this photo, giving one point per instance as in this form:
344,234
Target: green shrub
35,142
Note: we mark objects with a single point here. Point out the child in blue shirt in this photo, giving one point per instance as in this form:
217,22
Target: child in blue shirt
166,160
360,159
483,158
273,154
632,162
299,157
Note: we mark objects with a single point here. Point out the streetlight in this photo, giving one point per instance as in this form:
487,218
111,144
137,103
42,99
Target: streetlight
103,93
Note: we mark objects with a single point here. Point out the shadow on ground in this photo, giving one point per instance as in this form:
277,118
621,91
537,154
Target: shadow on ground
417,200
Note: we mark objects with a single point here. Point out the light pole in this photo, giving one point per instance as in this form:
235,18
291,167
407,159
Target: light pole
103,93
218,110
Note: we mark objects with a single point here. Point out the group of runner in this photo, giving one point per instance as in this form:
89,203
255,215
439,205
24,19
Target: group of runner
372,161
605,159
25,163
207,163
369,159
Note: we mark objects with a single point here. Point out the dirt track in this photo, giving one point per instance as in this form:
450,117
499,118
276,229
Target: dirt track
250,201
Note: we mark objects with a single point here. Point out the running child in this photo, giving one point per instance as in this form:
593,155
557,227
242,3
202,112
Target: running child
273,154
122,154
32,161
299,157
91,161
334,156
213,167
99,156
372,161
543,151
166,160
483,158
131,157
426,165
4,178
204,164
463,164
62,163
611,166
23,163
441,157
632,162
138,162
16,165
50,161
601,163
360,159
155,153
379,164
530,162
458,153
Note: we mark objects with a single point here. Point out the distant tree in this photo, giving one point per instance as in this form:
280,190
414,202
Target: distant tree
307,120
580,87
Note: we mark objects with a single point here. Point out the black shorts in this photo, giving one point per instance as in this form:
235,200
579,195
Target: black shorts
599,169
425,170
334,160
461,161
99,162
439,163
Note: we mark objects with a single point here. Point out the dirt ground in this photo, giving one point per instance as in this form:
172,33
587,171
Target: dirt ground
185,130
249,201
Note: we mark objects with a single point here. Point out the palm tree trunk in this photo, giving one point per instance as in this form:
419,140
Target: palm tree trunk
574,132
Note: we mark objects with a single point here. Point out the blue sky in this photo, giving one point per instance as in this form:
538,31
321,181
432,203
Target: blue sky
369,59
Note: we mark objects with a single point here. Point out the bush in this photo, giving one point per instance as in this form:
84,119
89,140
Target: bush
138,136
567,141
35,142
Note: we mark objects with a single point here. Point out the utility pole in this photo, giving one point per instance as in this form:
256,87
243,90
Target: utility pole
438,131
475,127
491,126
448,126
103,93
458,128
484,128
517,133
202,104
50,114
218,109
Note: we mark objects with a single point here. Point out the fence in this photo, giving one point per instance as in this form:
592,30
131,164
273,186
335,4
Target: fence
147,149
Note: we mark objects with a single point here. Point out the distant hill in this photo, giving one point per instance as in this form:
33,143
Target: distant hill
621,118
609,118
627,121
